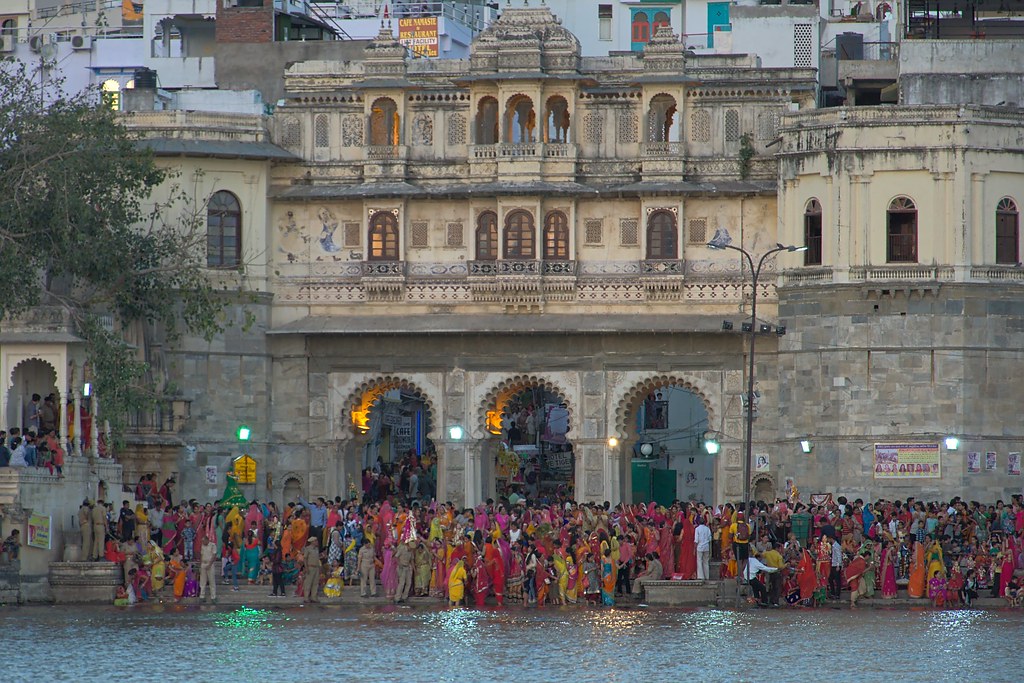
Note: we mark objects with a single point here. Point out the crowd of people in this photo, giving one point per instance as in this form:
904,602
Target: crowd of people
514,551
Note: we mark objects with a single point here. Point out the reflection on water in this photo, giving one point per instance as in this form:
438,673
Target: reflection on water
171,642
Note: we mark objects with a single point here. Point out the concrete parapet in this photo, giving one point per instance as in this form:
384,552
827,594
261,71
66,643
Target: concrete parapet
681,593
84,582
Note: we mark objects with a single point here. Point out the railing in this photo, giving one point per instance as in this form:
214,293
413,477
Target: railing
559,150
518,149
901,273
167,416
383,268
808,275
558,267
661,267
384,152
662,149
1004,273
209,125
483,151
882,51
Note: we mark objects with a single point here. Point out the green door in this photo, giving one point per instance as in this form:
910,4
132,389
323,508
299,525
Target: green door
663,486
641,481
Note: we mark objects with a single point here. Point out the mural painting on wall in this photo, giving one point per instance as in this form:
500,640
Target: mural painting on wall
328,225
290,242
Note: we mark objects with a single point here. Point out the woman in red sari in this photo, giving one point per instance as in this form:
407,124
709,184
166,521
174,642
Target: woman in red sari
806,577
888,572
664,550
687,564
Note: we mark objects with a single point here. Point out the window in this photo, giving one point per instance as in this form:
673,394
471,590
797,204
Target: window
111,94
384,237
556,237
901,231
697,231
487,236
321,131
384,123
519,237
223,231
629,232
557,118
453,235
487,121
1007,232
593,231
641,28
661,235
604,20
660,19
419,237
661,118
520,119
812,233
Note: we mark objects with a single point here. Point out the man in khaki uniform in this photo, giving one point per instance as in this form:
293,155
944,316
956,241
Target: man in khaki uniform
99,529
404,558
85,526
207,575
367,571
311,581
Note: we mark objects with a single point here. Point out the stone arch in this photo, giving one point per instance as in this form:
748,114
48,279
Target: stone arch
765,481
489,415
626,408
287,477
30,359
362,398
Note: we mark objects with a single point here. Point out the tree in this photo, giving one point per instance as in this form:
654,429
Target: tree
79,230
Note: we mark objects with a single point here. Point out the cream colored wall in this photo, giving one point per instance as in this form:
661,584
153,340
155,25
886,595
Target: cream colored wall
199,178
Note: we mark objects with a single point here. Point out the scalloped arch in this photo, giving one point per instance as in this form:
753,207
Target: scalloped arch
627,405
490,409
284,483
10,377
362,398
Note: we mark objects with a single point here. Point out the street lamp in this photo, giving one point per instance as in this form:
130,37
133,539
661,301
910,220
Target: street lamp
722,241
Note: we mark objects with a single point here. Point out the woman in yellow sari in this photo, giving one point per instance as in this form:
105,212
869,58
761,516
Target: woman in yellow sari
562,573
157,568
142,525
934,560
457,583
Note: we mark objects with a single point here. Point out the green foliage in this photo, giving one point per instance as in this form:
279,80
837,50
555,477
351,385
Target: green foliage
746,155
80,230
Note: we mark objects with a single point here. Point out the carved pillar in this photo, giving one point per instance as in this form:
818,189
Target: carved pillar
452,474
78,447
94,429
63,419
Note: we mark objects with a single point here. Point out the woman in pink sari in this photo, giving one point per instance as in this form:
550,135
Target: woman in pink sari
389,572
888,572
665,550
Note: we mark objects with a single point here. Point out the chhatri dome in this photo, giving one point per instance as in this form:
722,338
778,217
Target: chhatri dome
526,41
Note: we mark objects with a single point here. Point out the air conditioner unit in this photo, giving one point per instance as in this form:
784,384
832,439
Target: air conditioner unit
81,42
7,43
35,43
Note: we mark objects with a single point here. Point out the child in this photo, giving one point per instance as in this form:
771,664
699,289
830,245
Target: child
937,589
188,535
266,569
333,587
970,590
954,587
191,583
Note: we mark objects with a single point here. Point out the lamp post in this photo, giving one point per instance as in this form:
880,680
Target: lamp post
722,241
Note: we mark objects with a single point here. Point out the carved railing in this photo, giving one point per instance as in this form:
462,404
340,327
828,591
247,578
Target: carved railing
385,152
901,273
807,276
558,267
662,149
483,151
383,268
999,273
559,150
661,267
519,149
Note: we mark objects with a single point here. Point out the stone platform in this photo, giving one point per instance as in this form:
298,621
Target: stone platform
84,582
682,593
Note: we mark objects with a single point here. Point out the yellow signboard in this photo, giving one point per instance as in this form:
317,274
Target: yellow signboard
907,461
39,531
419,34
245,470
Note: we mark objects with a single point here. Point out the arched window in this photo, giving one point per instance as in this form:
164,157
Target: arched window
1007,232
812,233
661,117
110,91
487,121
662,237
384,123
383,237
660,19
223,231
520,119
901,231
556,237
641,28
557,119
487,236
519,236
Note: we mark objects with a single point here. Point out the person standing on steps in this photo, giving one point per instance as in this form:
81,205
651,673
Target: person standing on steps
207,574
311,559
367,570
404,559
99,530
85,526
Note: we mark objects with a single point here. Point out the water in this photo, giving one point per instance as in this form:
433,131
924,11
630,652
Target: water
165,643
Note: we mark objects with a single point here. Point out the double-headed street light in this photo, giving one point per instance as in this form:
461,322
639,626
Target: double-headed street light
722,241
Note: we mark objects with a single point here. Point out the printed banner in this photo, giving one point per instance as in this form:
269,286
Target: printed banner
762,463
990,461
419,34
907,461
974,462
39,531
1013,464
211,475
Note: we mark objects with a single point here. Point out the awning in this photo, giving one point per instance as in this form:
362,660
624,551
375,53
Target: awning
216,148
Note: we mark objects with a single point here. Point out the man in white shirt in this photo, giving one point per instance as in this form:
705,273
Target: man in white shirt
752,573
702,537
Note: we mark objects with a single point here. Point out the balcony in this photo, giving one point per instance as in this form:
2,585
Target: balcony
525,268
383,269
519,150
661,267
385,152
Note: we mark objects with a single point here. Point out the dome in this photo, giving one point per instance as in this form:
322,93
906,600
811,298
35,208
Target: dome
526,40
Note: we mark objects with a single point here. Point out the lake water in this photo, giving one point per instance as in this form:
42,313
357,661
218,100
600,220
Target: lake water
513,645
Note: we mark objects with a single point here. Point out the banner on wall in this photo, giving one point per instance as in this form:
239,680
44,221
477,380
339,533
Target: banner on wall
1013,464
990,461
419,35
907,461
39,531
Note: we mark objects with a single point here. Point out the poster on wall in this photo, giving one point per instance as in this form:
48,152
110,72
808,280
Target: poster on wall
761,462
211,474
907,461
990,461
1013,464
39,531
419,35
974,462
